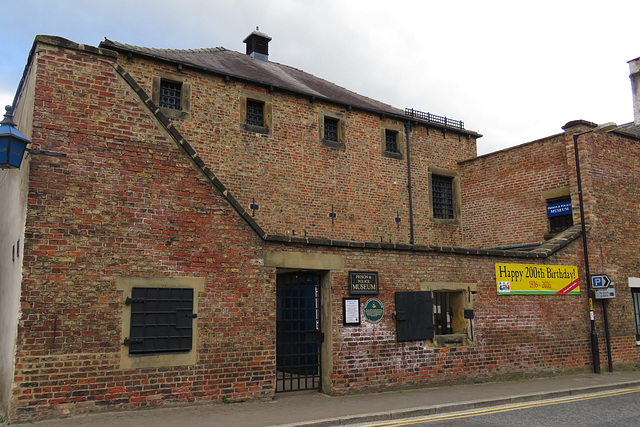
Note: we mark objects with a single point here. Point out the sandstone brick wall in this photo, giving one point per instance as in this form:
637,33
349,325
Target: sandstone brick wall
296,180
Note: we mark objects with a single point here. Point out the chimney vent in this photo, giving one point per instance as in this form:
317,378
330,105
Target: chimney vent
258,45
634,68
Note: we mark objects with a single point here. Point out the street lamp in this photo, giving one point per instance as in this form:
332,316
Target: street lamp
12,143
606,127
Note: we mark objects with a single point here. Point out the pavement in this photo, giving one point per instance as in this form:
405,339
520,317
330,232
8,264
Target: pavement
315,409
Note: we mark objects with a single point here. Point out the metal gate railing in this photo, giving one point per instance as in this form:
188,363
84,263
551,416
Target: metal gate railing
298,334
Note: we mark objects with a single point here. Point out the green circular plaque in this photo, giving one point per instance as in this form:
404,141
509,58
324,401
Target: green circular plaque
373,310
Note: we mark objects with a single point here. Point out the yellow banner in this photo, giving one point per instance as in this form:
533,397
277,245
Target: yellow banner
535,279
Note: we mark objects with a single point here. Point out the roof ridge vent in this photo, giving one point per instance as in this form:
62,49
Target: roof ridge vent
258,45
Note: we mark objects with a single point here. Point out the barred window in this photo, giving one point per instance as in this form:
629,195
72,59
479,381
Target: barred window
560,223
330,129
635,294
170,94
442,313
442,196
391,141
255,113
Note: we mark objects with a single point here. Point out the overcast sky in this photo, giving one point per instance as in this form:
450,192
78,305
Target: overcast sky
513,71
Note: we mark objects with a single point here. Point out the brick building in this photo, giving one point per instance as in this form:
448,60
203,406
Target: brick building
225,228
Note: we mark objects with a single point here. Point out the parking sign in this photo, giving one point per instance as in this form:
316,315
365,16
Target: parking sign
600,281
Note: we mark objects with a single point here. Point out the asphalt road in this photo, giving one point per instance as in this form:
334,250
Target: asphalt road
613,408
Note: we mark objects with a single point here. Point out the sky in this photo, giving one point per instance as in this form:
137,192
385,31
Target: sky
513,71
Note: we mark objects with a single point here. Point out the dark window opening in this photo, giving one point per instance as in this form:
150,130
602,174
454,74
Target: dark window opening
331,129
255,113
635,294
442,313
442,189
391,141
161,320
560,222
170,95
262,45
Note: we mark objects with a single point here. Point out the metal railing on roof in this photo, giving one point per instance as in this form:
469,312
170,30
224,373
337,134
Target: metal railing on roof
434,118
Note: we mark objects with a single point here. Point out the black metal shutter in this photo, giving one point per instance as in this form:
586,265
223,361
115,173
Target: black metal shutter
414,315
161,320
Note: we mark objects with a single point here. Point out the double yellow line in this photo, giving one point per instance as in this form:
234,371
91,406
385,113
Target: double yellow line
497,410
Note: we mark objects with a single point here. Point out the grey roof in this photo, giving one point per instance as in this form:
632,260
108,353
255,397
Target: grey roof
235,64
630,129
240,66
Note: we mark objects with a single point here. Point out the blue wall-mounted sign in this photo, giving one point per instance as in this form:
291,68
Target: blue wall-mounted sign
556,209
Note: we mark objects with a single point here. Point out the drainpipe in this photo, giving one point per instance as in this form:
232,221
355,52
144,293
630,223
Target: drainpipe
603,128
407,129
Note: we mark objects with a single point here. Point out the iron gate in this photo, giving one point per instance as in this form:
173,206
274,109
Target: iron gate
298,334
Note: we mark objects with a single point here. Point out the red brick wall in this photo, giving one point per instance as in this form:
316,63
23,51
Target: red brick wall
512,181
126,202
502,193
610,171
513,334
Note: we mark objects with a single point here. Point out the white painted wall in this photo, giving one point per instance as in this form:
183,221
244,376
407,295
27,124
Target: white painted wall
12,218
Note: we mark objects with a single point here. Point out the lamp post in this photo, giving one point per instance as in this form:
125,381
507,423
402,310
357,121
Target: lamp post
606,127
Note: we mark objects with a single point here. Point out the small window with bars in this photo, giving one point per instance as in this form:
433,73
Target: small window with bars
331,129
560,223
391,141
442,196
170,95
442,313
255,113
635,294
161,320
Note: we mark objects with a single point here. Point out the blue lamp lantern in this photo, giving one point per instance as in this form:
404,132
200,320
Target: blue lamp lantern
12,143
